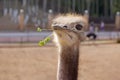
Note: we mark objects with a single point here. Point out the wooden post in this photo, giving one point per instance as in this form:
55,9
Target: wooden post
59,5
50,17
117,21
86,15
44,13
73,5
21,20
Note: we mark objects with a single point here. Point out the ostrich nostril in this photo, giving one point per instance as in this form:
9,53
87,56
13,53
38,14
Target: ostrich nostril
65,26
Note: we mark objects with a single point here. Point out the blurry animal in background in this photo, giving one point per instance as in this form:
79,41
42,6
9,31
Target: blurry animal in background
92,36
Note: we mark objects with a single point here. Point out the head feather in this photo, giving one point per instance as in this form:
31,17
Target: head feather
69,18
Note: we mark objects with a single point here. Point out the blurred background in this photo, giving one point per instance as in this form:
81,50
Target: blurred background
23,17
23,23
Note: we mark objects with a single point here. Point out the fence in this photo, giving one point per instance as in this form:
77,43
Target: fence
26,37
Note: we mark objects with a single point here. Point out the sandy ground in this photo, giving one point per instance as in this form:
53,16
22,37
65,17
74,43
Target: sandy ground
97,62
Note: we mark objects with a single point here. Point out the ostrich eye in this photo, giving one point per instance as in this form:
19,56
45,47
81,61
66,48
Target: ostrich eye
65,26
78,27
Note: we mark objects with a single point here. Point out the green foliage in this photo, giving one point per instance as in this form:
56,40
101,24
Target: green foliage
116,6
43,42
39,29
47,39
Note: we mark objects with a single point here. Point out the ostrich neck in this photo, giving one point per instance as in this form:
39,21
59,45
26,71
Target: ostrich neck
68,63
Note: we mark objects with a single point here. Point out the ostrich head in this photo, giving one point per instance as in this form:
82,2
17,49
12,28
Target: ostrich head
69,29
68,32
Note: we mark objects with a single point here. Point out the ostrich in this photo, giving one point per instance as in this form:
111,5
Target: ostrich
68,33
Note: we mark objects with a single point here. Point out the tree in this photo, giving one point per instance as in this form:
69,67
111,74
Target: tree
116,6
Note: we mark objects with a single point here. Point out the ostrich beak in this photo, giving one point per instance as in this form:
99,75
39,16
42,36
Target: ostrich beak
57,28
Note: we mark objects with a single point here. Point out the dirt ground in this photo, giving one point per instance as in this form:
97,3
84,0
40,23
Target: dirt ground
97,62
